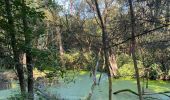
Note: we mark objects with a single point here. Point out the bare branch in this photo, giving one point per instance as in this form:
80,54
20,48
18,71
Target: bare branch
144,33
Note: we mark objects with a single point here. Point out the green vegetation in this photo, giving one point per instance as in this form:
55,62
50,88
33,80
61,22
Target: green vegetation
47,45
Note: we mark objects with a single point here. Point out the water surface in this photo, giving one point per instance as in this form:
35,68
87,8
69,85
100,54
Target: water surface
80,88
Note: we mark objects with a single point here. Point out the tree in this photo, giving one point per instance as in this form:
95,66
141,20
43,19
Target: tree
133,49
28,40
12,32
105,48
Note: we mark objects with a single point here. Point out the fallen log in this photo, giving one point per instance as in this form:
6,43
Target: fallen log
129,90
151,98
45,95
163,93
126,90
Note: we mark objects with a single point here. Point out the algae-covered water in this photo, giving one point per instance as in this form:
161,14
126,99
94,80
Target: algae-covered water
80,88
6,93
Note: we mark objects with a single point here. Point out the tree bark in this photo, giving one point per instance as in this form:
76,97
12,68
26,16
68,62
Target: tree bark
28,52
59,43
147,79
105,48
167,12
133,40
12,33
94,71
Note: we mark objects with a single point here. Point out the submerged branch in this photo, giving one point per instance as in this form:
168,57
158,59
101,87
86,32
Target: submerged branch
45,95
151,98
129,90
91,91
163,93
126,90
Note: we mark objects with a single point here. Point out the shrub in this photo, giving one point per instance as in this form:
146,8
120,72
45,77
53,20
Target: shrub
78,60
123,59
126,66
155,71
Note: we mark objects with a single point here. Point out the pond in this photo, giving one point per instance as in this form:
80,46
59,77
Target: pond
80,88
8,89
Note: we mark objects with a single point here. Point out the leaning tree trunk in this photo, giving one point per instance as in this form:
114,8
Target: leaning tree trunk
28,52
133,49
12,33
105,49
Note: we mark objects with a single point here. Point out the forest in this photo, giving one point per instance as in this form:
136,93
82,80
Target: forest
84,49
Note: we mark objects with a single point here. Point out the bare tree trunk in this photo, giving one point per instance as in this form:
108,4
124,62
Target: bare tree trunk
113,64
147,79
59,43
12,32
48,35
105,48
133,50
28,52
102,69
94,72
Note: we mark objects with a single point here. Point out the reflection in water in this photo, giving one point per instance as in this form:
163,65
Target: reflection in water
80,89
5,85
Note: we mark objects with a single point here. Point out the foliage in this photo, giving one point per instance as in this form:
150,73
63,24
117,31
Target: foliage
74,60
18,97
126,68
155,72
44,59
123,59
57,41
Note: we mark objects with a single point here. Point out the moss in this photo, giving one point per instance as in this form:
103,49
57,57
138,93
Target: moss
83,72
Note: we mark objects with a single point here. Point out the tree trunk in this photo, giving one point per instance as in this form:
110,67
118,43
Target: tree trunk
12,32
133,50
105,49
113,64
94,72
59,43
147,79
30,77
28,53
48,38
167,12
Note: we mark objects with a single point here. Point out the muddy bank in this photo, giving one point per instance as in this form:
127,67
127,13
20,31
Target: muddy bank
7,76
10,75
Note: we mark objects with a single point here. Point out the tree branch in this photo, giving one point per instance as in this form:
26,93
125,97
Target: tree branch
144,33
